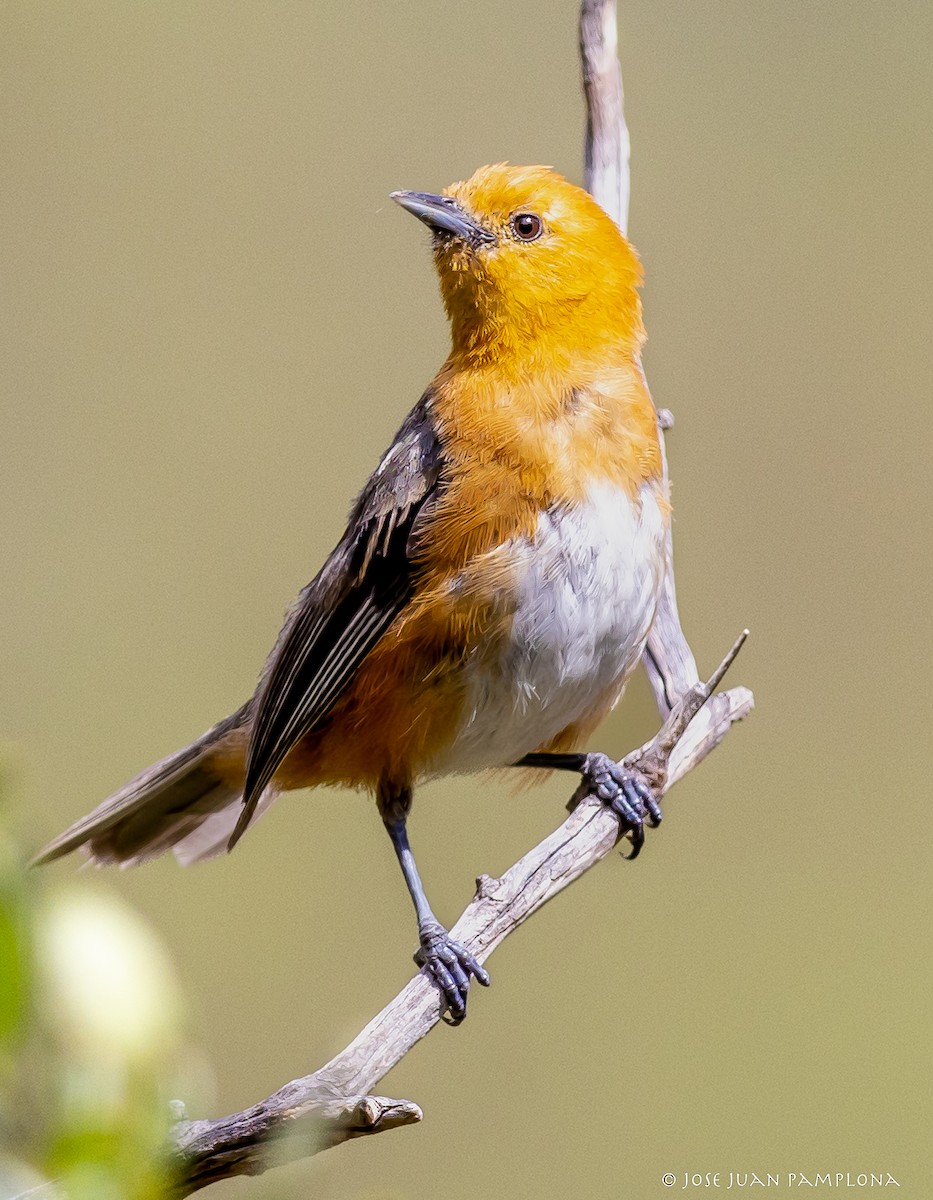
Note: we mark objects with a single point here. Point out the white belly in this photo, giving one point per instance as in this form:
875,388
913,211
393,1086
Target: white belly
587,593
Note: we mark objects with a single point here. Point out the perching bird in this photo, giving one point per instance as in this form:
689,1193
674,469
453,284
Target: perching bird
498,576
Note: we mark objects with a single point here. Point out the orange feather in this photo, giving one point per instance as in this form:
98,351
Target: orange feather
541,397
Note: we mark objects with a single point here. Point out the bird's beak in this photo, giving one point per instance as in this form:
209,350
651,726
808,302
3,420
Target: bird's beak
442,214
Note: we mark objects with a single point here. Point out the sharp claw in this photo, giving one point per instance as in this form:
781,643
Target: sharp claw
450,966
627,793
637,836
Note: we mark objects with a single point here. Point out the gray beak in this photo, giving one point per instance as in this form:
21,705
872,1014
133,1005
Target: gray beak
442,215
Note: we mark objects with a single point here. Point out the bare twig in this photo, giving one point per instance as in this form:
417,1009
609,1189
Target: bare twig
606,152
668,659
334,1103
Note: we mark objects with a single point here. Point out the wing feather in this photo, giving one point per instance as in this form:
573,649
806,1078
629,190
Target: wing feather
344,611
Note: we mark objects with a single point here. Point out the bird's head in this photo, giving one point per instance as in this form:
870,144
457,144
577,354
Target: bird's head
526,259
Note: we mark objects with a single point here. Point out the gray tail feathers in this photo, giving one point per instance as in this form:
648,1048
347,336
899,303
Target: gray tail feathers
186,802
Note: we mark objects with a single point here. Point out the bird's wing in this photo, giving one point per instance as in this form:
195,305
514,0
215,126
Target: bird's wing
342,613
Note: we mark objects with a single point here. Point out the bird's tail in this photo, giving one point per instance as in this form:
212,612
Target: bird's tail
189,802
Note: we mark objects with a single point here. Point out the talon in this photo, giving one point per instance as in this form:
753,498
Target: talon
627,793
637,838
450,966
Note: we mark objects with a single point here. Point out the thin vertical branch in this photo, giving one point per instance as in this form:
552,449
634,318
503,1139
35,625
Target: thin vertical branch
668,659
607,173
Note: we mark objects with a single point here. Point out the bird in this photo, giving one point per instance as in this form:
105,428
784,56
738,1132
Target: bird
499,573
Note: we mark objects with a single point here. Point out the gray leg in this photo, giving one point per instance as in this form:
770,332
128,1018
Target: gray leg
447,962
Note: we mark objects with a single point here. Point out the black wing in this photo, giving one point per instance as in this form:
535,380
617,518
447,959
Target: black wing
342,613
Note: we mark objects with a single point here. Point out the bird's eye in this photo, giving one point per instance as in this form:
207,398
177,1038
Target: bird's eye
527,226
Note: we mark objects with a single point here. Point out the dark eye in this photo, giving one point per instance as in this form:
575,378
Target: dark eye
527,226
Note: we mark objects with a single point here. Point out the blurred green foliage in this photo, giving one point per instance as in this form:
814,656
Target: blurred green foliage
89,1034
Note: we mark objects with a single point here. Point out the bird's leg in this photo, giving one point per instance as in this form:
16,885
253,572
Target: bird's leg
622,788
448,963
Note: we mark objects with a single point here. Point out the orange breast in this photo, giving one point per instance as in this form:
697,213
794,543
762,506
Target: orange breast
515,446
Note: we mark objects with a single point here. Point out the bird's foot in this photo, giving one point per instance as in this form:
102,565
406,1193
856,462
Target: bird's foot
450,965
627,792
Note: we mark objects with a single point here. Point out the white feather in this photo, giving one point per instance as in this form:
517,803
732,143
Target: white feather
211,836
588,588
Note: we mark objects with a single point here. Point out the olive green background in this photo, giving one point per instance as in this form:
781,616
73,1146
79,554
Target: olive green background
214,320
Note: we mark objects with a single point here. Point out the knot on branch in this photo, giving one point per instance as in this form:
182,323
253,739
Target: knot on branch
485,887
374,1114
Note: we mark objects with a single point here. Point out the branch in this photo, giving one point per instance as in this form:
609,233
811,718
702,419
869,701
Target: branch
606,173
333,1104
668,659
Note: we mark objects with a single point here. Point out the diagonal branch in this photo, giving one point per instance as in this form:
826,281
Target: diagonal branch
335,1103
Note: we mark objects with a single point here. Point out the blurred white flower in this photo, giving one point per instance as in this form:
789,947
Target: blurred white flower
110,983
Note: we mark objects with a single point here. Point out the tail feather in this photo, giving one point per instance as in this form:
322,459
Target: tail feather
213,833
185,802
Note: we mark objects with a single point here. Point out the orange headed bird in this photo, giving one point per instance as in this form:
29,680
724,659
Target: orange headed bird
498,576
